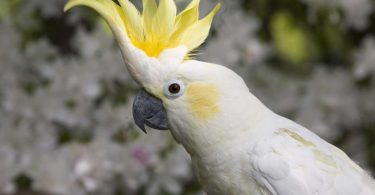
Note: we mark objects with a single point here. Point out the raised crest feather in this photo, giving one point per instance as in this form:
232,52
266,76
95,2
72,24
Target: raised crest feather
158,27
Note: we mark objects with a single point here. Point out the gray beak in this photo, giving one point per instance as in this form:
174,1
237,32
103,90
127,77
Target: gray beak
148,110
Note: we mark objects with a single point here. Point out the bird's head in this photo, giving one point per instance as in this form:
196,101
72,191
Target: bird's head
178,93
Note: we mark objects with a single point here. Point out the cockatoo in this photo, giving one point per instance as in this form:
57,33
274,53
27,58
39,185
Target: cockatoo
237,145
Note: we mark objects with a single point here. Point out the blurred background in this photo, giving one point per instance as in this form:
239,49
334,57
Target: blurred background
65,96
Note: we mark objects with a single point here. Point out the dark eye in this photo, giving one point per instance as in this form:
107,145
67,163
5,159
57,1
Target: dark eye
174,88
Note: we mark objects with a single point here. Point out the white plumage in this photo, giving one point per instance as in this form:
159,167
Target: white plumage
286,159
248,149
293,161
237,145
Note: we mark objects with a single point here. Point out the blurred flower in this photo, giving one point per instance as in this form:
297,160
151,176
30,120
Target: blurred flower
365,58
291,41
357,12
330,103
235,43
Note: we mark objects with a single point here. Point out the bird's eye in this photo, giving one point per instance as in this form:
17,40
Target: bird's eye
174,88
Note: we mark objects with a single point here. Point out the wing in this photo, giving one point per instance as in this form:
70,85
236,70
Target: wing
294,161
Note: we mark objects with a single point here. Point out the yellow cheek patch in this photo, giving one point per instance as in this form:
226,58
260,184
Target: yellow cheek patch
203,99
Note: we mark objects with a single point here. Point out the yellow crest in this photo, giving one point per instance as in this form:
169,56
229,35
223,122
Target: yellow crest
158,27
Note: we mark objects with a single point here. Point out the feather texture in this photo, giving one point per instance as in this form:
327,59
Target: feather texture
293,161
157,28
245,148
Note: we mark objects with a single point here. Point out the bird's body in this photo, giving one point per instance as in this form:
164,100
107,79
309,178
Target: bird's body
258,152
237,145
286,160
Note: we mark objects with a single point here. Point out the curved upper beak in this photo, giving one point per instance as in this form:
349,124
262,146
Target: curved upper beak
149,110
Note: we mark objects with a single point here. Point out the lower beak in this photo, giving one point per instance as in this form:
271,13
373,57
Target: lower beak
148,110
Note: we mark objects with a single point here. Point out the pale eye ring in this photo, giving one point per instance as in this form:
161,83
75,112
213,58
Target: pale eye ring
174,88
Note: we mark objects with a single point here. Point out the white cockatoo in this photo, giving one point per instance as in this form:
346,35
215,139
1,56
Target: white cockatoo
237,145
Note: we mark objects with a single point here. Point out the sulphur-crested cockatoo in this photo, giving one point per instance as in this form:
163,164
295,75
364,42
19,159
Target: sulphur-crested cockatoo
237,145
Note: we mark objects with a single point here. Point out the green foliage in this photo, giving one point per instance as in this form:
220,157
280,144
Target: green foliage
292,42
67,135
370,137
70,104
6,7
23,181
303,35
115,91
126,134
